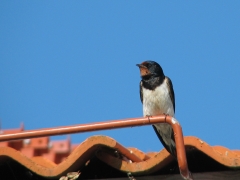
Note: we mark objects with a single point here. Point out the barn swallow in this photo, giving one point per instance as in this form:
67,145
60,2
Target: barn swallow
157,97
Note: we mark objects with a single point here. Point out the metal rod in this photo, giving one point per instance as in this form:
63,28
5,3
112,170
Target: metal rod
82,128
181,154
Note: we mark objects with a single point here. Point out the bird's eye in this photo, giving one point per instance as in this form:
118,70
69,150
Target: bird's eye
146,64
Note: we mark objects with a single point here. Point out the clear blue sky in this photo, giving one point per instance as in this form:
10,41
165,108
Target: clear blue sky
74,62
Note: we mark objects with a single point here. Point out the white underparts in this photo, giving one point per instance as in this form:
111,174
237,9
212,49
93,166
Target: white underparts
157,102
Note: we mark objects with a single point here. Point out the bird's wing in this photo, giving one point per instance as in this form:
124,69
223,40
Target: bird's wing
171,91
170,146
141,94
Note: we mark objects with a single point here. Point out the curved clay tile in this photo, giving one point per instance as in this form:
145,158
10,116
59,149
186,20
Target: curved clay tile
220,154
114,154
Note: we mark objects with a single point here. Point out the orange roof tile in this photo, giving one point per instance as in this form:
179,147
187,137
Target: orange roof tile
115,155
181,152
103,157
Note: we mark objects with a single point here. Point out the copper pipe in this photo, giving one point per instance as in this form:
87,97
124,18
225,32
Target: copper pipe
181,154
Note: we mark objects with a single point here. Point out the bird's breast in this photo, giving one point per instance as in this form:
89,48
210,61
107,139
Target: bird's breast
157,101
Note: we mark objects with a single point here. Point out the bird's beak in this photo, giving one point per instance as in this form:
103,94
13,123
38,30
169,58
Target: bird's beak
141,66
143,70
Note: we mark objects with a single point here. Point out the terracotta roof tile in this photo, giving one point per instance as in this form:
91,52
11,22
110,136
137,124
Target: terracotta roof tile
103,157
109,151
124,153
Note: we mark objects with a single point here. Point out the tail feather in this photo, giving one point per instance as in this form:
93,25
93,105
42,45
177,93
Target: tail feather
168,143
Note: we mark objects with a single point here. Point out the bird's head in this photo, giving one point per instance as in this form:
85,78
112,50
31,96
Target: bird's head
150,69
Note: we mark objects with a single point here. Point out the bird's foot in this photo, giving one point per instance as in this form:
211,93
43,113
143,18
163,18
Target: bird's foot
148,116
165,116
